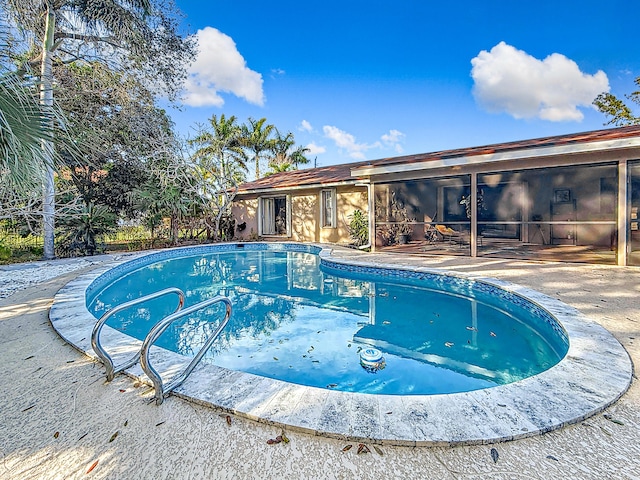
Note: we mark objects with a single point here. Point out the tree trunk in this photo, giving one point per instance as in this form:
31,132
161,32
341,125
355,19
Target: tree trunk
216,233
46,101
174,229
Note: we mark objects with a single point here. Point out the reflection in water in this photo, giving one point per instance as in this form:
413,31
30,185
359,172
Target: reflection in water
293,322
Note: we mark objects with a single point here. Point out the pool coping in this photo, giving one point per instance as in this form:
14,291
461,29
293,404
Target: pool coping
595,372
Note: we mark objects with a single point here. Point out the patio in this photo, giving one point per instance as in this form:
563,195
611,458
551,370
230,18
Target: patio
59,418
515,249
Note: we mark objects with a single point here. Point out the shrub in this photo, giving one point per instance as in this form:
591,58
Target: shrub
5,253
359,228
81,232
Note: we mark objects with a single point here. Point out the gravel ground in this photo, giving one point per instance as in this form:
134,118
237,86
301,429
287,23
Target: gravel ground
22,275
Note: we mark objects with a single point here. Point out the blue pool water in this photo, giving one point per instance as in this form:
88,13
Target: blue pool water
301,322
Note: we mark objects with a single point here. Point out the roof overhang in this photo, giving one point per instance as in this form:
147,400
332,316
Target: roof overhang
498,157
356,182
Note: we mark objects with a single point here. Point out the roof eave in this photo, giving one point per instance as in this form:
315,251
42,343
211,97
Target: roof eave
497,157
311,186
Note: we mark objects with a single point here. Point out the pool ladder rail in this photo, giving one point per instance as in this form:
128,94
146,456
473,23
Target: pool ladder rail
161,390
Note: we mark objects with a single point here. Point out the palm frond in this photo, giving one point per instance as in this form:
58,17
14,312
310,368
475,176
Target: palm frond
24,136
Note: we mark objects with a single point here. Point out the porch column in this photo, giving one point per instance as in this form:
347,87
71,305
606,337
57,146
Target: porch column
474,215
623,212
372,216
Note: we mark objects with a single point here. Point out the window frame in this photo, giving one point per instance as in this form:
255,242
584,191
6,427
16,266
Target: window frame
261,212
331,221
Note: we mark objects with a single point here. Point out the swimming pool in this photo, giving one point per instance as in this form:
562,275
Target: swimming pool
297,322
595,371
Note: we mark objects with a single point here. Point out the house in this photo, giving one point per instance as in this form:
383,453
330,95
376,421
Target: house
310,205
570,197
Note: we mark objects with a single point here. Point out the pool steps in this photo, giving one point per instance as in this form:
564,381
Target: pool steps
161,390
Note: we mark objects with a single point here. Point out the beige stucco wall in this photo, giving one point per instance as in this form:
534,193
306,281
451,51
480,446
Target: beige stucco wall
305,215
348,199
246,210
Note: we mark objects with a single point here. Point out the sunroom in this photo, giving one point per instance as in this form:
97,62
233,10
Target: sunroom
571,198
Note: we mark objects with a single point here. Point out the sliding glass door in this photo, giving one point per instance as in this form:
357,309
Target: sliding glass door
275,215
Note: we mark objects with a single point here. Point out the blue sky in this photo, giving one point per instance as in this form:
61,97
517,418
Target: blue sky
358,80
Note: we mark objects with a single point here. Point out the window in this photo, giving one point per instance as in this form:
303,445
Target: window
328,208
274,216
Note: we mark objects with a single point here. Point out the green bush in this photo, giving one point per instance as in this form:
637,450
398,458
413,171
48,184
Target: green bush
81,232
359,228
5,253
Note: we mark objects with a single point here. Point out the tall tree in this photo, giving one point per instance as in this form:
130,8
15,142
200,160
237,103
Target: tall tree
286,156
257,139
168,190
219,166
119,129
616,110
137,34
122,135
23,134
219,146
22,160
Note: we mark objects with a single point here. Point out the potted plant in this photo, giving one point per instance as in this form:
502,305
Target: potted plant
402,227
466,201
403,232
395,226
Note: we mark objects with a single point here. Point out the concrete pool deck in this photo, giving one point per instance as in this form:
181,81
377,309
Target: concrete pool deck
58,417
595,371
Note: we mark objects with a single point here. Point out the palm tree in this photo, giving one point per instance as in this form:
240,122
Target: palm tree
23,161
135,33
219,165
84,230
220,147
286,156
158,200
298,156
278,168
26,151
257,139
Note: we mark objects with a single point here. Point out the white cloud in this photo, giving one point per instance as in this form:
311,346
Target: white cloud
315,149
346,141
394,136
393,139
277,72
512,81
219,67
305,126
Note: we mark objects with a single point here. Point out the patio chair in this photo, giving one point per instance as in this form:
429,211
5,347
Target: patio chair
441,233
431,234
448,233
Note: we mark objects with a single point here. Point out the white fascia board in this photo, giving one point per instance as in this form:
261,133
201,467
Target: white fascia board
489,158
293,188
